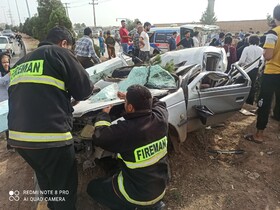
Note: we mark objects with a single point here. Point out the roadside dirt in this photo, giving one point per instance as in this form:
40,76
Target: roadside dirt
199,179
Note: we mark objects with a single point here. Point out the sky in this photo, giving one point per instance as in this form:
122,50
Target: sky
110,12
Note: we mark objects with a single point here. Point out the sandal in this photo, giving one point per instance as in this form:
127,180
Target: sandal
250,137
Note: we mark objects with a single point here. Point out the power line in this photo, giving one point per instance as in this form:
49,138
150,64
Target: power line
82,5
10,14
4,13
28,8
18,12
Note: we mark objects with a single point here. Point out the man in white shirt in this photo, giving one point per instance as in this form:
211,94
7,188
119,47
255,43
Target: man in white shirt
195,39
144,43
249,55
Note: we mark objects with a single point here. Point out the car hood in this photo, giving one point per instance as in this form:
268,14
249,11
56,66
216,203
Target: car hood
196,55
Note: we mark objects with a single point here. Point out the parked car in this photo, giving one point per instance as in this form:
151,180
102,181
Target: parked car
9,33
6,46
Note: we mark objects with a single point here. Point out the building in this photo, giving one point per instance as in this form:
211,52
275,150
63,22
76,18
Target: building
233,26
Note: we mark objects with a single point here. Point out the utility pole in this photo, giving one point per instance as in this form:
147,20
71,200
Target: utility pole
4,13
10,14
66,8
18,13
93,6
28,8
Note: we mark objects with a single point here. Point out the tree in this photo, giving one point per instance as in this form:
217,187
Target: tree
58,17
208,17
269,19
29,25
50,14
130,24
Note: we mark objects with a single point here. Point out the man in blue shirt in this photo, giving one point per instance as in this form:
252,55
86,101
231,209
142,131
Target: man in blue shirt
172,41
84,50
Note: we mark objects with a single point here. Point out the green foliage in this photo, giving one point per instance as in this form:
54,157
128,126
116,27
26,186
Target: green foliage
97,50
58,17
29,25
156,60
208,17
130,24
79,29
170,66
50,14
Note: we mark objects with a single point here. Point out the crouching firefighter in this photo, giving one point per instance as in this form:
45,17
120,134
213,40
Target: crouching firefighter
140,142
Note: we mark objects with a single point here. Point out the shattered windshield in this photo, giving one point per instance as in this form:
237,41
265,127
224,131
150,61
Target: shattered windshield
153,77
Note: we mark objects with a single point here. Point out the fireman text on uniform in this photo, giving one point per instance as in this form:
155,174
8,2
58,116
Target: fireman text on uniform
31,68
150,150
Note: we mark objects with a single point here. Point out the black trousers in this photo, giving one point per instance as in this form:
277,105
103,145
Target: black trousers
56,170
270,84
101,190
85,61
276,110
144,56
253,76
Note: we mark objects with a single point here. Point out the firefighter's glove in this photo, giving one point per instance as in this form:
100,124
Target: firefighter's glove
87,132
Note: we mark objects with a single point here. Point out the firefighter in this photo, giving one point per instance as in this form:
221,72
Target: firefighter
140,142
40,115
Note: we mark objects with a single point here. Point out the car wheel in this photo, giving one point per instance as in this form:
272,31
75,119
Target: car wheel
173,140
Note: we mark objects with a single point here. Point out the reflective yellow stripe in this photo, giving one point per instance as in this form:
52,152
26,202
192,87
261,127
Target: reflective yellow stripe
30,68
39,137
129,199
47,80
144,163
148,155
102,123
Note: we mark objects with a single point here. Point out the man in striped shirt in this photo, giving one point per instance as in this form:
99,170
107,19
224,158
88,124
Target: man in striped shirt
84,50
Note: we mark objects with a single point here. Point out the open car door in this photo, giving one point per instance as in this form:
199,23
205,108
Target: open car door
219,94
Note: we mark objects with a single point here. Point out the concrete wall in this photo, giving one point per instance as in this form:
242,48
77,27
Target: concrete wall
233,26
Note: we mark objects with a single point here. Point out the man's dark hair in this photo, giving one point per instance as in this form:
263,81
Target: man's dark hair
195,33
221,35
87,31
186,32
138,22
139,97
108,32
175,32
58,34
147,24
228,40
123,21
276,12
254,40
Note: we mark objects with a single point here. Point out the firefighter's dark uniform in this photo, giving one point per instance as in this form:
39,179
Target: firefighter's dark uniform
141,144
40,117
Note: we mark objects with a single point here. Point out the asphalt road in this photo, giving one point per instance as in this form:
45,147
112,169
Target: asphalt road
18,53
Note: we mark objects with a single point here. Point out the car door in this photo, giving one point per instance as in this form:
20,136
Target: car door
218,92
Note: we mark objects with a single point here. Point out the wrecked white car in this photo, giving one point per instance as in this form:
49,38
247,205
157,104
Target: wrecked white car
199,93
